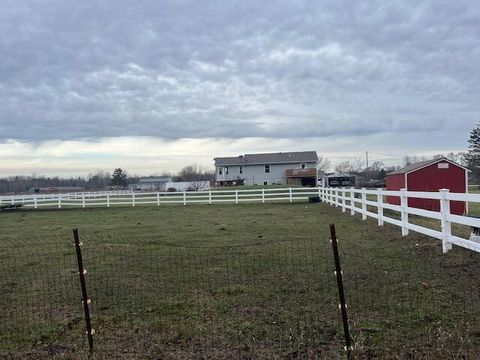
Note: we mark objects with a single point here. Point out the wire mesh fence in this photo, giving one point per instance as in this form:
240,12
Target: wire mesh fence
403,305
262,299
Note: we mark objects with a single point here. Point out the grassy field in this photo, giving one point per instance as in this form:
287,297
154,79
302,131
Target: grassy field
223,281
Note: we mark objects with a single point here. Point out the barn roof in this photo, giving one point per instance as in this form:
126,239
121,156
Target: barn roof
269,158
421,164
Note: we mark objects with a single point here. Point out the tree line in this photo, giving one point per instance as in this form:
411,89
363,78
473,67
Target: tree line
100,180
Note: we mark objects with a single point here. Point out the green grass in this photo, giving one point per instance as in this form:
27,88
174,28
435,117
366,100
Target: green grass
230,281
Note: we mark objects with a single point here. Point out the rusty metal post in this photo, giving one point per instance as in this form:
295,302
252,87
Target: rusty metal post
341,293
83,286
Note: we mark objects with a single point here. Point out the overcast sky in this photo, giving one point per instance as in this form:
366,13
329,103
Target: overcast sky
156,85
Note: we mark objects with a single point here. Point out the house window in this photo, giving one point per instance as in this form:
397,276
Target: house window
303,166
226,170
220,171
241,169
267,168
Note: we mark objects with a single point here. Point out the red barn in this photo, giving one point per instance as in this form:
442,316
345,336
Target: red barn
431,175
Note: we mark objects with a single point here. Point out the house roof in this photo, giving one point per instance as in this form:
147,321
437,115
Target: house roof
155,179
421,164
269,158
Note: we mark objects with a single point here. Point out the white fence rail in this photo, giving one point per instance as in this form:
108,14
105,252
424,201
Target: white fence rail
359,201
108,199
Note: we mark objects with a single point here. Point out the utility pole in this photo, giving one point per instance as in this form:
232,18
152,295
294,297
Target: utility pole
366,158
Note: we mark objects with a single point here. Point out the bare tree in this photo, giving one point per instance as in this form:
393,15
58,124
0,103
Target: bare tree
98,181
324,164
411,159
198,185
456,157
349,167
195,173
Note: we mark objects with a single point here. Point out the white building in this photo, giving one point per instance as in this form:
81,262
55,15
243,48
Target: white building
154,183
292,168
200,185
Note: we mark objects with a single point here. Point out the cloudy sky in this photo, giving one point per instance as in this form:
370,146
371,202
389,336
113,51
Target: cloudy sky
156,85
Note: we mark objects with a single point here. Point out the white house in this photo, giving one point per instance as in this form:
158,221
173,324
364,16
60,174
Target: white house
292,168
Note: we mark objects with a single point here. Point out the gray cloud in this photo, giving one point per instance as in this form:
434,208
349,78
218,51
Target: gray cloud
179,69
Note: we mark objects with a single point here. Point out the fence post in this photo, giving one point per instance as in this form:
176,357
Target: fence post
343,200
133,199
108,200
352,201
236,196
341,294
85,300
404,205
184,197
210,197
13,200
336,196
380,206
59,201
446,225
290,194
83,200
364,204
263,195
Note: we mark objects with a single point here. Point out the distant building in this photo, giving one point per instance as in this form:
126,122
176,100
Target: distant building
188,185
55,189
155,183
430,175
284,168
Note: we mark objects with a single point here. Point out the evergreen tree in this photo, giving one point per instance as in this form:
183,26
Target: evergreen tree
119,177
473,156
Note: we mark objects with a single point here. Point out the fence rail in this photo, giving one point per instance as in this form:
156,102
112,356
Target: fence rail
359,201
108,199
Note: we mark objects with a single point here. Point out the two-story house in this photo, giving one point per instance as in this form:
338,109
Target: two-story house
290,168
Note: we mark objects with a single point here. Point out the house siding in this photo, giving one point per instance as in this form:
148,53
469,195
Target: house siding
233,173
256,175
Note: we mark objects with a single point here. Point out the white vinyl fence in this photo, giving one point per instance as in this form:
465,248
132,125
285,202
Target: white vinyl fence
108,199
360,201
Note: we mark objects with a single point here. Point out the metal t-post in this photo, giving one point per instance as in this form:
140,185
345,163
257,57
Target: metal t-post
343,306
83,286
